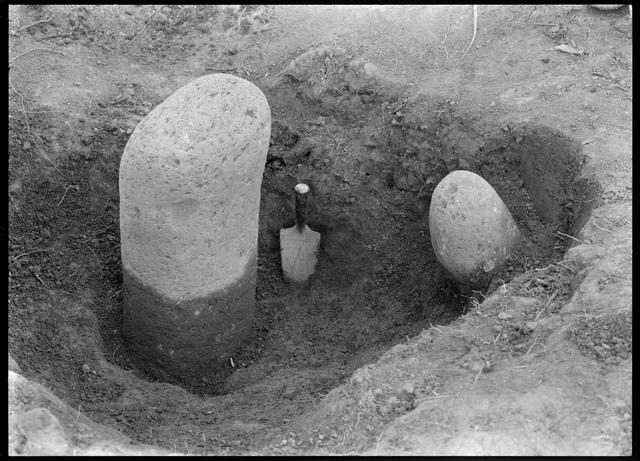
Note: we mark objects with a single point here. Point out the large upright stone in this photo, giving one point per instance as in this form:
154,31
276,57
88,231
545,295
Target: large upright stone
472,231
190,180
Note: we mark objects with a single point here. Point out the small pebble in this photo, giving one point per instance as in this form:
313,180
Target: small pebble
545,60
15,187
408,388
161,19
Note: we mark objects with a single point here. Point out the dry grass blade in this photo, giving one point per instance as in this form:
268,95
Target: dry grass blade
56,36
475,29
442,45
26,254
41,281
445,36
240,19
601,228
24,110
551,298
97,259
532,346
225,69
120,99
571,237
560,263
530,14
35,49
475,379
63,196
51,162
42,21
147,24
614,85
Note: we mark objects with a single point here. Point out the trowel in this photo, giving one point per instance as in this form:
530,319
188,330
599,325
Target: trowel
299,244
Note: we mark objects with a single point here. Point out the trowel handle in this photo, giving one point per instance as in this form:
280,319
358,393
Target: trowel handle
302,194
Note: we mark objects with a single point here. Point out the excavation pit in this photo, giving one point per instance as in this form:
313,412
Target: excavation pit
376,282
372,159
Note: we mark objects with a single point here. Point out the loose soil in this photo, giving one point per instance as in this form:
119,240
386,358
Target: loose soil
518,113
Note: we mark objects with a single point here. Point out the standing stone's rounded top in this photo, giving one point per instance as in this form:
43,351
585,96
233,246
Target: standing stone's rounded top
208,108
459,174
472,185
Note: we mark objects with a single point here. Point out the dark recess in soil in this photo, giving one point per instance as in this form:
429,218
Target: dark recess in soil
536,173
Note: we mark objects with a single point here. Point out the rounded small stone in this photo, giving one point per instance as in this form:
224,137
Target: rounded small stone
472,231
190,179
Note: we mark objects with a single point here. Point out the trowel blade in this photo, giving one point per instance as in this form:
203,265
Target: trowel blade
298,252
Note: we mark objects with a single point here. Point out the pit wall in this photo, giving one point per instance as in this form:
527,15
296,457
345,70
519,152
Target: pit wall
409,141
426,137
429,139
550,166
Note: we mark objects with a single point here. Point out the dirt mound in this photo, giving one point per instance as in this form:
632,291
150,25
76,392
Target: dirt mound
40,424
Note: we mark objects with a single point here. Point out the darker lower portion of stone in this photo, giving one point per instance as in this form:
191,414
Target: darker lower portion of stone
187,339
481,276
